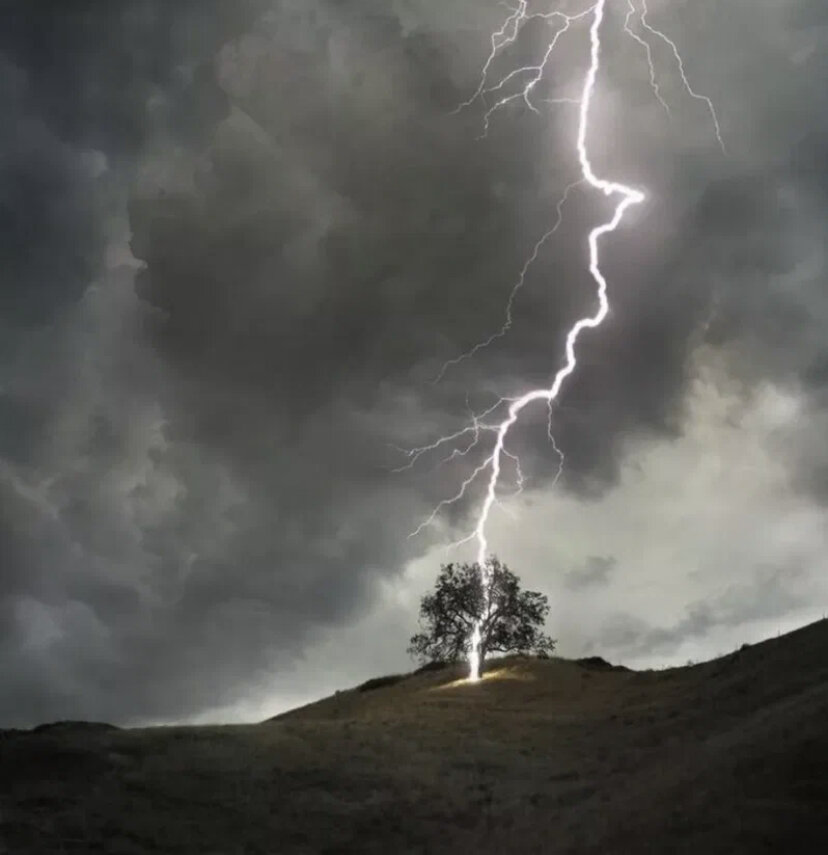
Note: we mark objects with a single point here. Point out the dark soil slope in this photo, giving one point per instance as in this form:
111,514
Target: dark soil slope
540,757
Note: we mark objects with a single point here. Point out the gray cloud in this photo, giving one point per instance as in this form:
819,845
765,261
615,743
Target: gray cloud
595,572
769,593
197,449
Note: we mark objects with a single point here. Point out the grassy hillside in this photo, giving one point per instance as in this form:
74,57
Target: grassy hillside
730,756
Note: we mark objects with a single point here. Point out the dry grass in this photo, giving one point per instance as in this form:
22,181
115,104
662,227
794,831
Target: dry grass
540,757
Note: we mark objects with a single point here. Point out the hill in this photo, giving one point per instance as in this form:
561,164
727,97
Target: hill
730,756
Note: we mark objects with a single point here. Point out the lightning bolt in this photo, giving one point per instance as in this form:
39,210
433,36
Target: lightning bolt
521,280
491,469
648,51
643,12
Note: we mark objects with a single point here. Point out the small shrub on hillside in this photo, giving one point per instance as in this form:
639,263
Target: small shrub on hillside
596,663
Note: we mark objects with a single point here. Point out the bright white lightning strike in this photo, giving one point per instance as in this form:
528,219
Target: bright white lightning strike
627,197
680,64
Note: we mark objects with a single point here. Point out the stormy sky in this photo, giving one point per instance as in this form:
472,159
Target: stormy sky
238,240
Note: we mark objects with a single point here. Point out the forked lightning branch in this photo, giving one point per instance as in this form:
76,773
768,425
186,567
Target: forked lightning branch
487,434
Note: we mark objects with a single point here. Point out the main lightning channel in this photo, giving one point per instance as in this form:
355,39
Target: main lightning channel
629,196
506,36
491,469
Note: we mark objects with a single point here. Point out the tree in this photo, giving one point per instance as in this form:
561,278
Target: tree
513,622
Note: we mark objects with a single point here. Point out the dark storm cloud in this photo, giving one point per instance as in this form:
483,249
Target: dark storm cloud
82,85
49,235
196,474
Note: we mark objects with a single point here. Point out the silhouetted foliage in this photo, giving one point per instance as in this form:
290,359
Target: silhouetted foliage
513,624
597,663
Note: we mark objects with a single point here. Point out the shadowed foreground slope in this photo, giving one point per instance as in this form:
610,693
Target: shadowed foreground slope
541,757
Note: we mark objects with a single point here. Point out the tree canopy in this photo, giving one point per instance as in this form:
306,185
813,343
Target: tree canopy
513,622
